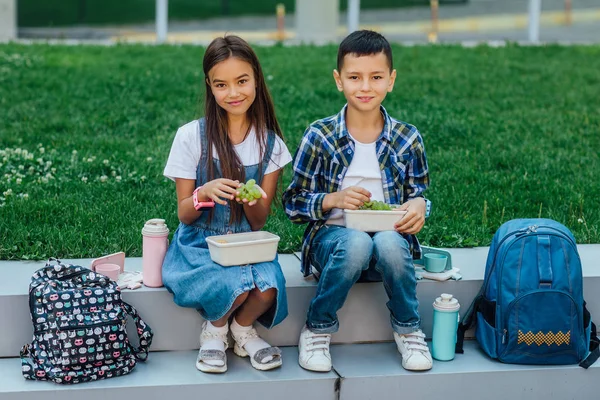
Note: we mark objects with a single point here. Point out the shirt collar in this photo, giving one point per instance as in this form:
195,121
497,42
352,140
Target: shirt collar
342,131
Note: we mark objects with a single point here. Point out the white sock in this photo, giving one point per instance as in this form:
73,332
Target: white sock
215,344
253,345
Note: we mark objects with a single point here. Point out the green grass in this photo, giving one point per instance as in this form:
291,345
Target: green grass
96,12
509,132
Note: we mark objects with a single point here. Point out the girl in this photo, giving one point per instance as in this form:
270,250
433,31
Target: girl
237,140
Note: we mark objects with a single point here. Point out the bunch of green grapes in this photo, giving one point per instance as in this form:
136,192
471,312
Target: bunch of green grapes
375,205
249,191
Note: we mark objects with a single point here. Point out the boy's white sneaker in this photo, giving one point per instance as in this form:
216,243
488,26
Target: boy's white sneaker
313,349
414,351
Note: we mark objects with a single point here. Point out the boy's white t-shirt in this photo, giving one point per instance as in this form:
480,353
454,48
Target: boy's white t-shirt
363,171
185,153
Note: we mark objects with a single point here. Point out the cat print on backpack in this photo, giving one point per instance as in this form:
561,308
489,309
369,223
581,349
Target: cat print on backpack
79,324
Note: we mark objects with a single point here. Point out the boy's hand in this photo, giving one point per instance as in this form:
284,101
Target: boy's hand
350,198
220,189
414,219
253,202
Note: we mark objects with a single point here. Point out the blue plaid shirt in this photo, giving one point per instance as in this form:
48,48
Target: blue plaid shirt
322,161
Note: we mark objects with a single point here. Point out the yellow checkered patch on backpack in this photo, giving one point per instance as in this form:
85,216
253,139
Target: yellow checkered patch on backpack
541,338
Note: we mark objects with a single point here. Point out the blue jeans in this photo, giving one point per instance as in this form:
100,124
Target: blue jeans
345,256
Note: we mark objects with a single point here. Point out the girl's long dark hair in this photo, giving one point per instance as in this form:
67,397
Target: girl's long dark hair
260,115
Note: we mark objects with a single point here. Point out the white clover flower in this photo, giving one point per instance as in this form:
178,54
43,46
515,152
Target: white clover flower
42,150
118,178
105,162
143,178
43,180
8,193
48,164
580,220
19,180
49,176
103,178
53,170
21,167
74,152
113,173
39,160
31,169
18,151
25,196
84,179
90,159
148,159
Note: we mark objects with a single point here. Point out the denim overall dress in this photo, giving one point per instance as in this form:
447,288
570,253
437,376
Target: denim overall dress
198,282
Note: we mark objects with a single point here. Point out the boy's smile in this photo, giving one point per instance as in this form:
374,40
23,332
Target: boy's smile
365,80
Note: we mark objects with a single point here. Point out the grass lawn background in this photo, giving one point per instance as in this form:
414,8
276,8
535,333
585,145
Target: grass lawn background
96,12
85,133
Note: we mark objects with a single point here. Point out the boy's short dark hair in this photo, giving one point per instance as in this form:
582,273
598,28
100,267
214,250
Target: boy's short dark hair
364,43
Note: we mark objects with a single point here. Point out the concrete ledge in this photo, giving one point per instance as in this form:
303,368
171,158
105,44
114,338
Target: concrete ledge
364,317
375,371
173,375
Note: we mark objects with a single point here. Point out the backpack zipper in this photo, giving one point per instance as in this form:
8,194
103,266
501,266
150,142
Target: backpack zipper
522,232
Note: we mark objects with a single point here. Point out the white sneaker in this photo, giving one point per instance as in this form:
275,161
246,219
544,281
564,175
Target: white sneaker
414,351
313,351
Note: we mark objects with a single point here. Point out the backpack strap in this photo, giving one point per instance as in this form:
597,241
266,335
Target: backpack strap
467,321
143,331
594,348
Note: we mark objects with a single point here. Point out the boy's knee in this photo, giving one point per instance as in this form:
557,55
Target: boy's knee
356,245
392,252
390,242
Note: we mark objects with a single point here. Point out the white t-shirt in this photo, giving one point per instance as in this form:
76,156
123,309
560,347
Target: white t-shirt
185,153
363,171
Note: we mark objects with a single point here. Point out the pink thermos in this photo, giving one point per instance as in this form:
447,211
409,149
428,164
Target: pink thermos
155,242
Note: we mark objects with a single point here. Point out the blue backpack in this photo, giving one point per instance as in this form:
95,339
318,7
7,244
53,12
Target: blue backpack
530,309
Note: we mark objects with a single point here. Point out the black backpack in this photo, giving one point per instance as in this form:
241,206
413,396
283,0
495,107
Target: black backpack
79,323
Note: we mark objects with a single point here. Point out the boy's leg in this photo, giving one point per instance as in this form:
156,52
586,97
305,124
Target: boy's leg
340,255
393,260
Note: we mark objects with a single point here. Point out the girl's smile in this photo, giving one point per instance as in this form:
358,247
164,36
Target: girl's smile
233,84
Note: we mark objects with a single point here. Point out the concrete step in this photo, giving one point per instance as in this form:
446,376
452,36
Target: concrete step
364,317
173,375
374,371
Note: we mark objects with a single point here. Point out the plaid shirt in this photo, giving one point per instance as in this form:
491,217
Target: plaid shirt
322,161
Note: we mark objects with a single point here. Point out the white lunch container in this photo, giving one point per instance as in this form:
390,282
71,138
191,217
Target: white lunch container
243,248
372,220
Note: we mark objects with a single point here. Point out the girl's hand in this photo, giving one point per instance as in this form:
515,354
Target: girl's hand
414,219
253,202
220,190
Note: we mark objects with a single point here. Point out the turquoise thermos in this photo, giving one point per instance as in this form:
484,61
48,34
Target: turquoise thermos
445,324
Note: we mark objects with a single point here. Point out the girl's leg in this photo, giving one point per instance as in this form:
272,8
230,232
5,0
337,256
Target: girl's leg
263,356
240,300
256,304
213,341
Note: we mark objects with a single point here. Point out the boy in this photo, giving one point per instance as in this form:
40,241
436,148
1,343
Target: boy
358,155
